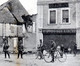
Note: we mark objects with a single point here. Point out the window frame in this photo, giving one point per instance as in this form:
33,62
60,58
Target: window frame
62,15
49,16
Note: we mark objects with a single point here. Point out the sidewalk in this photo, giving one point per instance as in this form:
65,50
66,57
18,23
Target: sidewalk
29,60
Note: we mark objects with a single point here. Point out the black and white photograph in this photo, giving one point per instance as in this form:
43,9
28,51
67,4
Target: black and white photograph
40,33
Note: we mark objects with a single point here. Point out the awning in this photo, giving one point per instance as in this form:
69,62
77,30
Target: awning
58,30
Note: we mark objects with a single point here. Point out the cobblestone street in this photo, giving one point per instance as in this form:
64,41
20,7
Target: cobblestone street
29,60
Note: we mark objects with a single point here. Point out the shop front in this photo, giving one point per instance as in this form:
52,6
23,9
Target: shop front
67,37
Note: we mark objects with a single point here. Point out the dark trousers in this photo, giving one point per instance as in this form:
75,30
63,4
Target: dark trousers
52,54
20,53
75,51
7,53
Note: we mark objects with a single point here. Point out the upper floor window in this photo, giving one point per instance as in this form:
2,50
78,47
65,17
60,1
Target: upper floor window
52,16
65,15
56,7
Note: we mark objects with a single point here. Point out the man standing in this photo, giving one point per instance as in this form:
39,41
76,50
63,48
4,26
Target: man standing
75,49
5,49
53,47
62,47
41,49
62,50
20,49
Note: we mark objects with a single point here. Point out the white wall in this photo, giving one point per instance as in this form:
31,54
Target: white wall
78,24
39,24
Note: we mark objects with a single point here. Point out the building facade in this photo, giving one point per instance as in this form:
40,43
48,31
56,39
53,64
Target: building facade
58,20
14,28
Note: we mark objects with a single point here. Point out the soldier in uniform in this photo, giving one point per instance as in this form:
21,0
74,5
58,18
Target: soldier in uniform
20,49
53,48
5,49
75,49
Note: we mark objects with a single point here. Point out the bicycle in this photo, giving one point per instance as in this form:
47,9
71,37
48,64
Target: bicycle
39,55
46,55
61,56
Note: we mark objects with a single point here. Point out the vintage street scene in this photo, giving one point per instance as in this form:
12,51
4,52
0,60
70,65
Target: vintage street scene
40,33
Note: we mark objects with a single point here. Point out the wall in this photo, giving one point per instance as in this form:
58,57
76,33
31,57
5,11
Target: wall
72,23
78,25
39,24
74,17
58,1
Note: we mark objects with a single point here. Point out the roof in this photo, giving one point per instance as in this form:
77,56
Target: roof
6,16
18,10
12,11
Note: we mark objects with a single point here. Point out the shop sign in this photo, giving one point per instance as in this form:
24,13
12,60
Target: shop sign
58,30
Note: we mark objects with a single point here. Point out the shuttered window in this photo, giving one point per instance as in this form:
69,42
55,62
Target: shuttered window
65,16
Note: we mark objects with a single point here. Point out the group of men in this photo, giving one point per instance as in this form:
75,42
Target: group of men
19,48
40,48
54,47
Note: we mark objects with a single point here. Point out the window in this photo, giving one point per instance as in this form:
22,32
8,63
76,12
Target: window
65,16
52,16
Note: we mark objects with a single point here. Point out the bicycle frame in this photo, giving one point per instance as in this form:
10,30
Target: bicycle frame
61,56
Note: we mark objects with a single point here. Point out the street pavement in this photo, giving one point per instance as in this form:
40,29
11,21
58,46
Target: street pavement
30,60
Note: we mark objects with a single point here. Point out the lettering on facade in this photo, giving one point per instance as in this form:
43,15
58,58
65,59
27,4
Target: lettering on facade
59,31
58,5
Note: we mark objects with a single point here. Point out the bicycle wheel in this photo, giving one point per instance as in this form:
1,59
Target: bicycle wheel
61,56
39,55
47,57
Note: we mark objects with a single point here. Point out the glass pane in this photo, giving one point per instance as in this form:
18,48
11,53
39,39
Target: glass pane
65,16
53,16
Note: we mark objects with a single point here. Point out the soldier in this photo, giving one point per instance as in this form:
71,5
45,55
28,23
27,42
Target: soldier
20,49
62,47
75,49
62,50
5,49
53,47
41,49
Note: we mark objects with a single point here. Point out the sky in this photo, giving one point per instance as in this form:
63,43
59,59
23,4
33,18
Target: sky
29,5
